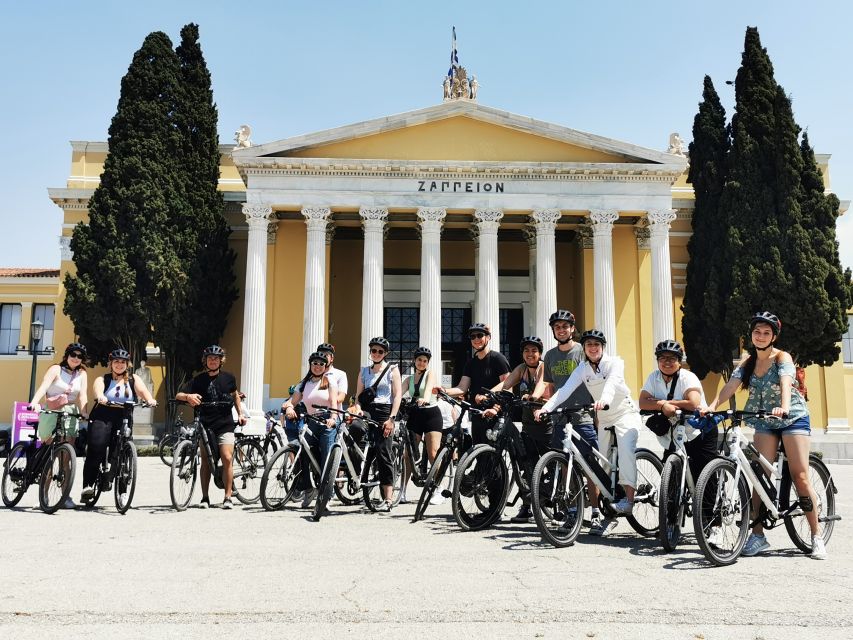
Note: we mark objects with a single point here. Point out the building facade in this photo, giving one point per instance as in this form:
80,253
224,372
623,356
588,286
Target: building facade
414,225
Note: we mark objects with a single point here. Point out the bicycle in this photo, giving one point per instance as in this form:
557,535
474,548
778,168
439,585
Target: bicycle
722,518
486,473
559,486
186,461
284,472
52,465
120,463
273,439
452,449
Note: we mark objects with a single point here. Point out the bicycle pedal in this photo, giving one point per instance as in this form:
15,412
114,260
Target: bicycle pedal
446,493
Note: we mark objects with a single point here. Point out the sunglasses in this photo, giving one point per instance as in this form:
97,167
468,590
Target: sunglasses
477,336
379,351
126,391
318,363
76,354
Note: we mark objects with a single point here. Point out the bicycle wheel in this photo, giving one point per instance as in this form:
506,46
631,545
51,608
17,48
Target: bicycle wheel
125,482
346,487
480,488
14,475
280,478
57,477
166,448
672,502
273,443
371,489
796,523
721,512
249,461
327,482
182,478
433,481
89,503
557,496
645,517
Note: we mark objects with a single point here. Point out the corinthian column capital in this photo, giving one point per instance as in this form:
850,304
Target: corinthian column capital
257,215
431,217
373,217
603,217
316,217
660,219
545,219
488,219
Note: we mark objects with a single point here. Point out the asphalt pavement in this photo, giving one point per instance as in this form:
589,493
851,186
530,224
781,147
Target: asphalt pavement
157,573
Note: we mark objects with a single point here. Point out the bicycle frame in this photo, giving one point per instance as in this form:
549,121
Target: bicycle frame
345,442
34,468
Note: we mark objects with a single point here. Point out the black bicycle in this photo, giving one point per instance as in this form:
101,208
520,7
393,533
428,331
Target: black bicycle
486,473
118,470
451,450
415,458
248,460
52,465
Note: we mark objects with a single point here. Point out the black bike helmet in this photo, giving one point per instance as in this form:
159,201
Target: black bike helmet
561,315
76,346
119,354
536,342
593,334
767,318
380,342
213,350
479,327
669,346
319,355
422,351
330,348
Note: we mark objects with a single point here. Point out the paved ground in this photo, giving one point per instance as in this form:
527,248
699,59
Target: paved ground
155,573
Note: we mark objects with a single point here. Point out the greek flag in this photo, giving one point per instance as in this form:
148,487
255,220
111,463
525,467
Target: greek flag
454,55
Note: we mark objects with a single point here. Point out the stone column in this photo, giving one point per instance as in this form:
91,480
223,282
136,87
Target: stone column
475,238
602,246
545,222
314,318
488,304
255,311
530,235
663,326
372,308
431,219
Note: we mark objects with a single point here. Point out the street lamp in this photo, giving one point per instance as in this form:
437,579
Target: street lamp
36,334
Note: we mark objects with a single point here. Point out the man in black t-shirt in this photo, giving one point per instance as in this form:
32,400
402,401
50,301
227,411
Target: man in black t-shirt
485,370
215,385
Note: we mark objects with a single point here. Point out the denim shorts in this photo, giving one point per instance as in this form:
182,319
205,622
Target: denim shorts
800,427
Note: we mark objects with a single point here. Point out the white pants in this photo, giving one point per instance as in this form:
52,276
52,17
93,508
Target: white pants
627,430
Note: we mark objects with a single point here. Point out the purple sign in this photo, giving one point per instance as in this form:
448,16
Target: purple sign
20,416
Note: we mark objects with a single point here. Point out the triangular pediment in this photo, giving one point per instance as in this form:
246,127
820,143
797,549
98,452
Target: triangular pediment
459,131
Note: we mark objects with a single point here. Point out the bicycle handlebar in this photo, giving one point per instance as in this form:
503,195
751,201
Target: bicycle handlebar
346,414
573,409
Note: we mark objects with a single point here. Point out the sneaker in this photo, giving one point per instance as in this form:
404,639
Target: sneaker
298,496
69,503
523,514
569,523
818,548
715,536
204,503
88,494
624,507
437,499
755,545
308,498
404,499
603,527
384,506
227,504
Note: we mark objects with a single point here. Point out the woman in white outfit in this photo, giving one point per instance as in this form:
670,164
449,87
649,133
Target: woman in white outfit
604,377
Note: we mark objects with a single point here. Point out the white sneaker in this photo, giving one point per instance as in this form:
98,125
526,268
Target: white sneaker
69,503
403,499
88,494
755,545
818,548
603,527
624,507
384,507
715,536
437,498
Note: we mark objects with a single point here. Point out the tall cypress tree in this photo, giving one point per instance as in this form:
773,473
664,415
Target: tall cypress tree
201,232
128,273
761,194
709,347
823,292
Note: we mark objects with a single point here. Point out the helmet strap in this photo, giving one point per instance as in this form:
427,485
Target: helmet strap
769,346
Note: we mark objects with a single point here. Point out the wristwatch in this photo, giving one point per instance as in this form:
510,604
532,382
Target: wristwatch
392,417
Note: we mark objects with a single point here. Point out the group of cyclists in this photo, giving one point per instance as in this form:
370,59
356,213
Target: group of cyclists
578,375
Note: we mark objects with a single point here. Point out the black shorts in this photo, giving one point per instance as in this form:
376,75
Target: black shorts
424,420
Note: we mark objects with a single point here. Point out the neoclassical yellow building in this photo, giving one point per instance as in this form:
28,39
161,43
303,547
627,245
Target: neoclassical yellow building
414,225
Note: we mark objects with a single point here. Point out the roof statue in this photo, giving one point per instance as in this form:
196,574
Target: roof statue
676,145
243,136
456,84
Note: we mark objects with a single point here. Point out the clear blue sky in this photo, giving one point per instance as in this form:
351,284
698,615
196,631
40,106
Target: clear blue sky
626,70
